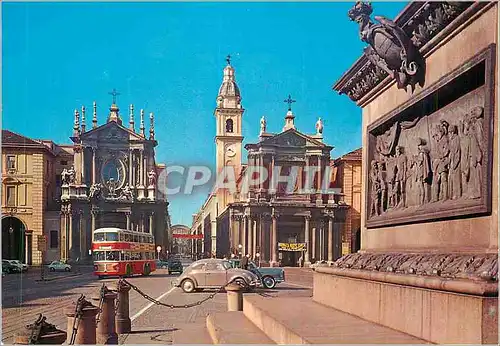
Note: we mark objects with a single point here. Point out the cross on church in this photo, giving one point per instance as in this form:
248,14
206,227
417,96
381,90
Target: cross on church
114,93
228,59
289,101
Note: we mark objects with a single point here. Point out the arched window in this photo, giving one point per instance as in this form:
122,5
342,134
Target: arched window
229,125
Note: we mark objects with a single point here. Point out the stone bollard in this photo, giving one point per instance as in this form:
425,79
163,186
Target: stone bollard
81,322
106,331
41,333
234,297
123,323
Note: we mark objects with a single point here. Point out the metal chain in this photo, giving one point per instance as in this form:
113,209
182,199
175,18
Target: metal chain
185,306
77,318
101,301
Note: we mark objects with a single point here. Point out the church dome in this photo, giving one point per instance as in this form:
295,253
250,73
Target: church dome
229,88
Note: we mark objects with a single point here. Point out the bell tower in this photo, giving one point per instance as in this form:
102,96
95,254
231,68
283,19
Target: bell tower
228,116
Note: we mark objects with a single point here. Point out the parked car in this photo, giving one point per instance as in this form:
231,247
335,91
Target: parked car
161,264
58,266
270,276
175,266
214,273
23,267
9,267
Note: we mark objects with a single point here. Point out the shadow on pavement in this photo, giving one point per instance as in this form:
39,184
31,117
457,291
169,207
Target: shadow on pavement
142,331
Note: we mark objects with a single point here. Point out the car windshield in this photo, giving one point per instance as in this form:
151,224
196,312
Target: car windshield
227,265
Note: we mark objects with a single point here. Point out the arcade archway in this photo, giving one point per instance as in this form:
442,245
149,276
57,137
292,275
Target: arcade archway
13,244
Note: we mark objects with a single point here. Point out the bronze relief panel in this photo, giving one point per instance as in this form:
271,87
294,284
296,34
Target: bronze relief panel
431,158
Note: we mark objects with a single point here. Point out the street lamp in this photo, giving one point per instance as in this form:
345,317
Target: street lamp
240,247
158,249
258,259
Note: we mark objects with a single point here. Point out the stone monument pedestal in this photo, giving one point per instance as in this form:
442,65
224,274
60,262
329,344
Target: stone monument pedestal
140,192
151,193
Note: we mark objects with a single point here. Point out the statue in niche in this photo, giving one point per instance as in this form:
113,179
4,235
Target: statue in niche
472,154
423,172
441,162
112,184
152,178
390,47
70,175
65,177
454,179
126,193
399,177
95,191
375,189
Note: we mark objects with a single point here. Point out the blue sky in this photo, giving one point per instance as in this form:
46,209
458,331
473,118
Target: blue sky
168,58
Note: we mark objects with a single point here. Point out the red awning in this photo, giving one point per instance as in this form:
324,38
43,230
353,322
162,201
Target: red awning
187,236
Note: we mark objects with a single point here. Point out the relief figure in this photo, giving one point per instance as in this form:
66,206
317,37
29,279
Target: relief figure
441,163
423,172
454,179
375,189
383,185
472,154
400,177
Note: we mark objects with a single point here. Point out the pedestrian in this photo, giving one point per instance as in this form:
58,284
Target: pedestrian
244,262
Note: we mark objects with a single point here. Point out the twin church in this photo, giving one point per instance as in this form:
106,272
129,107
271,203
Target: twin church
267,222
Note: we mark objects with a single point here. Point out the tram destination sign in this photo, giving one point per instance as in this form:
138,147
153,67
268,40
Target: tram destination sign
291,246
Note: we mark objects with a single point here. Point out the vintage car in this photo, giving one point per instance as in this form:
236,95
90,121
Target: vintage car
270,276
59,266
173,265
9,267
214,273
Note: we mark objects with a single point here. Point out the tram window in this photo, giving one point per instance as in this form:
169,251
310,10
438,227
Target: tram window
112,236
112,255
99,236
146,255
125,256
128,237
136,238
99,255
121,236
142,239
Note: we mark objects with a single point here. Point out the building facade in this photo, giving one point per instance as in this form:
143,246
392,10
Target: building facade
267,222
112,183
106,177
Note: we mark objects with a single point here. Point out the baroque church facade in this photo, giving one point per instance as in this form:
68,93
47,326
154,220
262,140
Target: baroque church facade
113,182
267,222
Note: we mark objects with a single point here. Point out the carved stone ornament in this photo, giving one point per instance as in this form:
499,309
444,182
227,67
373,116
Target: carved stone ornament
483,267
390,47
437,164
420,23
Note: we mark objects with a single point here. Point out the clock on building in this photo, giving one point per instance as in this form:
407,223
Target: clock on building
231,151
113,170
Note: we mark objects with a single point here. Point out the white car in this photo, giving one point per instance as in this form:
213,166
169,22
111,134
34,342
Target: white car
58,266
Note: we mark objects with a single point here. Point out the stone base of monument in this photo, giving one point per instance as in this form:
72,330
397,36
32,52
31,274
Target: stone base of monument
433,308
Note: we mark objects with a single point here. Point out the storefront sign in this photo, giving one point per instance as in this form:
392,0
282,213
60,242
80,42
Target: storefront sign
291,246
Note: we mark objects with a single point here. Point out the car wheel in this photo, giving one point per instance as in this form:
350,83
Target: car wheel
164,267
188,286
52,269
67,269
269,282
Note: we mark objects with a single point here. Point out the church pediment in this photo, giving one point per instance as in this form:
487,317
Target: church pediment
111,132
291,138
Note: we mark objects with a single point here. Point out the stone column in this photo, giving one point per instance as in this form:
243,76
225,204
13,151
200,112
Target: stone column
142,222
127,215
62,235
307,261
82,233
130,167
244,235
313,246
272,190
151,222
94,168
337,240
141,174
250,236
82,159
254,238
274,240
70,235
318,195
330,239
93,224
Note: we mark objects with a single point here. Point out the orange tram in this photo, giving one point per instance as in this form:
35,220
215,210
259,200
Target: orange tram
119,252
